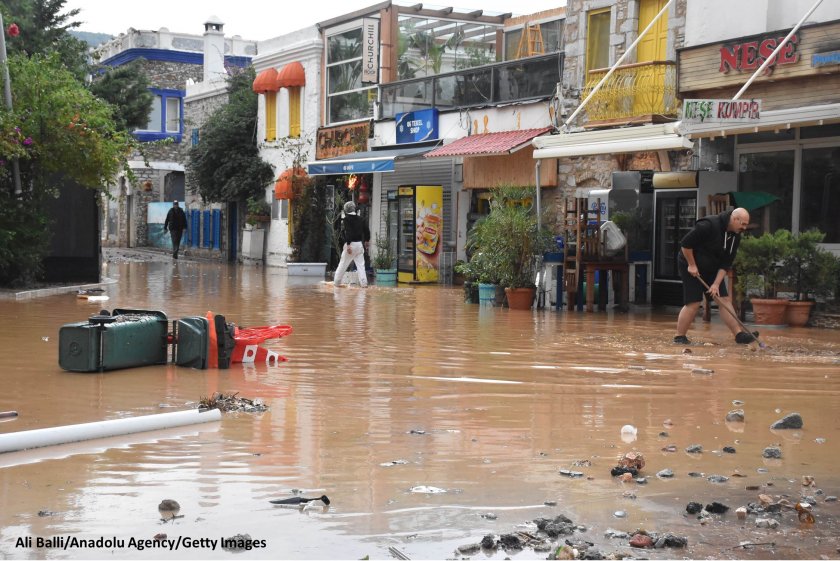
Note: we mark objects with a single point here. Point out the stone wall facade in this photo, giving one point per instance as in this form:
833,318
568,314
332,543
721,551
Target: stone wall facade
624,29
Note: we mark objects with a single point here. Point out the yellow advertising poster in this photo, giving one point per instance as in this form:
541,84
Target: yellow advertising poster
429,215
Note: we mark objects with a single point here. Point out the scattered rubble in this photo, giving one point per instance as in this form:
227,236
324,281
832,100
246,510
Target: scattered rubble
772,452
791,421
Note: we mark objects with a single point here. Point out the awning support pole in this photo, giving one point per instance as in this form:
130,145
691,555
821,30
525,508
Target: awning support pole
614,66
772,57
537,181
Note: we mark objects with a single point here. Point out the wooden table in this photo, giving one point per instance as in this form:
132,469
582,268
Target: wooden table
623,268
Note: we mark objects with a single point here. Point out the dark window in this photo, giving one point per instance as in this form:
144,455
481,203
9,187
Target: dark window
819,205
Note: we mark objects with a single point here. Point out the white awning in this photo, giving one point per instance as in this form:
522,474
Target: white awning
778,119
611,141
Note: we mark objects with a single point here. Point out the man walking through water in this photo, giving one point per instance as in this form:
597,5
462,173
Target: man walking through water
707,252
176,223
356,239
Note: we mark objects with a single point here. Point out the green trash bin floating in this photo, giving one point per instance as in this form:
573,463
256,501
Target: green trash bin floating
125,339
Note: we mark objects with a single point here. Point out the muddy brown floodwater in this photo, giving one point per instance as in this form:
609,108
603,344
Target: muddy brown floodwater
393,390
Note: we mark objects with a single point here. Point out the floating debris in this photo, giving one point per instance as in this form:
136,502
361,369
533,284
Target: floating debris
394,463
232,403
427,489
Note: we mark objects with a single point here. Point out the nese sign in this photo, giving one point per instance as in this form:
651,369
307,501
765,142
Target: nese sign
748,56
721,111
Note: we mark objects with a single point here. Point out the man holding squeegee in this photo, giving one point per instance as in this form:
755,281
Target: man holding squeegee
707,253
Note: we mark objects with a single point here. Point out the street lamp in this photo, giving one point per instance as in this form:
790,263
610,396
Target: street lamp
7,92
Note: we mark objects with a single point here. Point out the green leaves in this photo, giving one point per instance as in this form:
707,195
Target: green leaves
506,242
226,165
126,88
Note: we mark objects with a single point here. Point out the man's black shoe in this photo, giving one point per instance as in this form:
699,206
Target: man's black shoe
744,338
682,340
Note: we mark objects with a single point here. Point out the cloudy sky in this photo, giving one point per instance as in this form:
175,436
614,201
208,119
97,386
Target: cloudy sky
251,19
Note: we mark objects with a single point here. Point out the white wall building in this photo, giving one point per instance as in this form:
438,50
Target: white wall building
288,120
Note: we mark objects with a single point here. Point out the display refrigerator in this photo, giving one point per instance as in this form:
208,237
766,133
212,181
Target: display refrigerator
675,212
420,231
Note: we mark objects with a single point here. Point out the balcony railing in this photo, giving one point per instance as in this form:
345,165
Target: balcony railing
504,82
640,91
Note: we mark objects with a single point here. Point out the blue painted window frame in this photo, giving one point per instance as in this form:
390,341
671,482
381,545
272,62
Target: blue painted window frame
160,133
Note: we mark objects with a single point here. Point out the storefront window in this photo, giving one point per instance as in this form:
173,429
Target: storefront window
819,205
348,98
767,136
770,172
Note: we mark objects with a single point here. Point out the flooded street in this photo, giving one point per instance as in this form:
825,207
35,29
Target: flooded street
393,394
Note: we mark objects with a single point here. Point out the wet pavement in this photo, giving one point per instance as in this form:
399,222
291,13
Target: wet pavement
429,423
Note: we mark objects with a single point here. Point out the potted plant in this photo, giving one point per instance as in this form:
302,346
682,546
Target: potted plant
513,240
809,271
759,268
384,261
468,270
258,211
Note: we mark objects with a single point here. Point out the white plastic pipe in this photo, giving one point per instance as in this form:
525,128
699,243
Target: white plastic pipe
38,438
773,55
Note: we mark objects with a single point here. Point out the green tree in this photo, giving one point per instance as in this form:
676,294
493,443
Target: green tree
44,29
58,131
126,87
226,165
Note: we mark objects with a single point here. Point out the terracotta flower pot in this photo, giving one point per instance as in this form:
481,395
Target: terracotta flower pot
520,298
798,312
769,311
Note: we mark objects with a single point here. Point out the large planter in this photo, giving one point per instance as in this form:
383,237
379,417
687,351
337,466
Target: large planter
306,269
386,276
769,311
520,298
486,294
798,312
470,292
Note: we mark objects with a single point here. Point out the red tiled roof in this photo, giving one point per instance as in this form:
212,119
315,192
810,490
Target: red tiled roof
489,144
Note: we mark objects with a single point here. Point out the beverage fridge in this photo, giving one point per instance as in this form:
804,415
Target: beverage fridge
420,217
675,212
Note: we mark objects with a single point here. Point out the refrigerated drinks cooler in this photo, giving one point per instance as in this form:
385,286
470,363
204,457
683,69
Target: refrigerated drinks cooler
420,232
675,213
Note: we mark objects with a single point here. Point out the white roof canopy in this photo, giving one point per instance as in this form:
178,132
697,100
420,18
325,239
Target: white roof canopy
611,141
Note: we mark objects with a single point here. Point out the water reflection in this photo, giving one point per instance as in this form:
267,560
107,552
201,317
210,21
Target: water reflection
388,389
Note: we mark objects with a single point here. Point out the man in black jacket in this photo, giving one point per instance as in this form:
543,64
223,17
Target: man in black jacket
707,251
356,239
176,223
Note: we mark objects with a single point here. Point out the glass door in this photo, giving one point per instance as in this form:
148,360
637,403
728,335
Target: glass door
676,214
405,248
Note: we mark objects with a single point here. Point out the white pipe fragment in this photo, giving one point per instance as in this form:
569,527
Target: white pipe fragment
37,438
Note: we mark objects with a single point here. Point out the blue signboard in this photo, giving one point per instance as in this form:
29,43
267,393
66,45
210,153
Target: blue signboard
417,126
358,166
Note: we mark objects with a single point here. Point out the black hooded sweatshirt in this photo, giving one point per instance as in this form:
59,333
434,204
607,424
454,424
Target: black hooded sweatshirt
714,247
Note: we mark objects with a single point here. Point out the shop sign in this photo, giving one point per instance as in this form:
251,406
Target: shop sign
721,111
749,55
825,59
339,141
417,126
370,56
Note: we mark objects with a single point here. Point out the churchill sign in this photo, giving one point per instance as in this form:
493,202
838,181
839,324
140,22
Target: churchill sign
721,111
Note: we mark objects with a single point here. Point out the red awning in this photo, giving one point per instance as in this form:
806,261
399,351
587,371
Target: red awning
291,76
489,144
284,186
266,81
